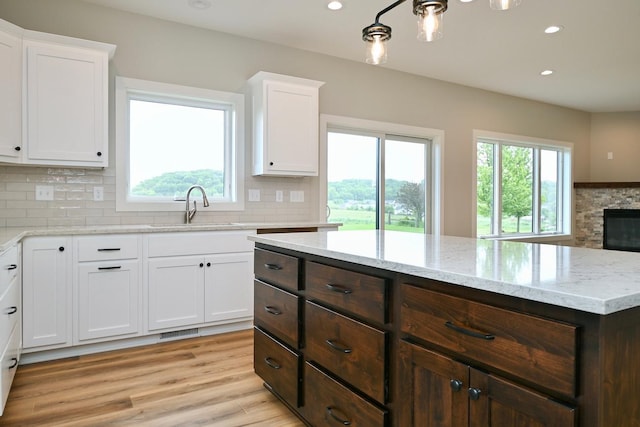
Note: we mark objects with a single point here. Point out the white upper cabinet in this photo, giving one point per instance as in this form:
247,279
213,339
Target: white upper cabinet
10,92
66,101
53,99
285,125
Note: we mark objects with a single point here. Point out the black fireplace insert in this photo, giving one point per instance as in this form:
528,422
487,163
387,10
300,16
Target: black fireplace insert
621,229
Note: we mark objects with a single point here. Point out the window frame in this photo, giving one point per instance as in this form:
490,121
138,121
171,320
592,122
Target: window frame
386,130
564,192
144,90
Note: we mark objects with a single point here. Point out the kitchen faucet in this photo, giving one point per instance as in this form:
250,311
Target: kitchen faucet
190,213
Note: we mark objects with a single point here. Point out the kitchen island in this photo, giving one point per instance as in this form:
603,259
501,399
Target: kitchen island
388,328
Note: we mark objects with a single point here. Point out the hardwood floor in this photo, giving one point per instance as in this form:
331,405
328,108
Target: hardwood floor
206,381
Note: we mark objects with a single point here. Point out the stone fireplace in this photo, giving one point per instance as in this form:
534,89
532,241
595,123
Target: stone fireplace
592,199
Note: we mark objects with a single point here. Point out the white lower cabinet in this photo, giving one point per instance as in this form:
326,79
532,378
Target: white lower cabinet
228,287
108,299
46,292
10,319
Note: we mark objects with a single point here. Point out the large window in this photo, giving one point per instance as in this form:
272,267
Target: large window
171,137
380,180
523,186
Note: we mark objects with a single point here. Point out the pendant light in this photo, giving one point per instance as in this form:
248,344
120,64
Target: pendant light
429,13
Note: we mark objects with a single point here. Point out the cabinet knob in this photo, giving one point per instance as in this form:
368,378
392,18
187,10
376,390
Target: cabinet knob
456,385
99,153
18,148
474,393
61,248
208,264
201,264
270,163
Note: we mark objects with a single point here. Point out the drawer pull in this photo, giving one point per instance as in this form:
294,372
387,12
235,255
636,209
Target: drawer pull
456,385
474,393
339,289
331,410
273,267
12,267
108,249
272,363
14,364
337,347
469,332
115,267
272,310
12,310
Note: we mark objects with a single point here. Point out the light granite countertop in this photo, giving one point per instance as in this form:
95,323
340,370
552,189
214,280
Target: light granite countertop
9,236
592,280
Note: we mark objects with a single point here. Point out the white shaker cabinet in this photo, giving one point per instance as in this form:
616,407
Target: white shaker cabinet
10,92
47,292
10,319
227,295
108,288
285,125
66,101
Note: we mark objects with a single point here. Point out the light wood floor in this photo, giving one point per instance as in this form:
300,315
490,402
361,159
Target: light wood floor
205,381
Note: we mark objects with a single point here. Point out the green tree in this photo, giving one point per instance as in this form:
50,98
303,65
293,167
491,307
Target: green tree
517,184
177,183
411,197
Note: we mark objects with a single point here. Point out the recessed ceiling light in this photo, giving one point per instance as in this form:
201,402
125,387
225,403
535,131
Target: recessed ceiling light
200,4
335,5
466,1
546,72
553,29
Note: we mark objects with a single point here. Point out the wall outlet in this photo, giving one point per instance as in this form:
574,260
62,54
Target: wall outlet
279,196
296,196
44,192
98,194
254,195
610,155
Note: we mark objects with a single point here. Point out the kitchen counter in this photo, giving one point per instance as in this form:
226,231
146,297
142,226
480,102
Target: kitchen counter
591,280
11,235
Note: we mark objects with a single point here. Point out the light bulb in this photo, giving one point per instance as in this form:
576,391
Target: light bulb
429,25
377,51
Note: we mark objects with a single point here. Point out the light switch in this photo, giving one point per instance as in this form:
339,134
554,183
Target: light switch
279,196
44,192
254,195
296,196
98,194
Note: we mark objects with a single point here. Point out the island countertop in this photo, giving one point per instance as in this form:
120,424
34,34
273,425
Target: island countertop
591,280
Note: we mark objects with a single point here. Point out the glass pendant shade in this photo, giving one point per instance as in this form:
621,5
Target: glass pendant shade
376,50
430,24
503,4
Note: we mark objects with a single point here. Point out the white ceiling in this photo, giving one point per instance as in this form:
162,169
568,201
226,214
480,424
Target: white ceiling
596,58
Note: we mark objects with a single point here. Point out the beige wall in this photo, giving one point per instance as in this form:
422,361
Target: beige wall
158,50
619,134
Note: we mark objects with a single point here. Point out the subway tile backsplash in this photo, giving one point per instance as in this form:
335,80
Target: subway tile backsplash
73,203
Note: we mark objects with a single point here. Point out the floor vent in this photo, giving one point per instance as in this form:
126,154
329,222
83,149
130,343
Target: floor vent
179,334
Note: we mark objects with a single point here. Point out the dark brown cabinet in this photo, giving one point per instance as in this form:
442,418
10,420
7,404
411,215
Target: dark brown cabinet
440,391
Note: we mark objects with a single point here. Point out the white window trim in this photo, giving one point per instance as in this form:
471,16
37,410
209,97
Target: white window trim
126,86
435,135
567,209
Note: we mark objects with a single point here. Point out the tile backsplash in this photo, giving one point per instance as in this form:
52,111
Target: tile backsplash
73,201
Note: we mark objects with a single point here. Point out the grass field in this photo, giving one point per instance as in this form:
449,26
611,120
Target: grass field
366,220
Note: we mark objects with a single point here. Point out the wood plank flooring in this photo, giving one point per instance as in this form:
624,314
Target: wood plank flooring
207,381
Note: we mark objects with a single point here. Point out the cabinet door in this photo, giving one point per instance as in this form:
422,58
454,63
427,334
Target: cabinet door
107,299
66,105
228,291
175,292
435,388
47,291
496,402
10,96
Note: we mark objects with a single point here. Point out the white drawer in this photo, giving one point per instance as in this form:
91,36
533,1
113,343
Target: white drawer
199,243
10,311
9,265
107,247
9,365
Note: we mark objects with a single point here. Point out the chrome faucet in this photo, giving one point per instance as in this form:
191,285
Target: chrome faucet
190,213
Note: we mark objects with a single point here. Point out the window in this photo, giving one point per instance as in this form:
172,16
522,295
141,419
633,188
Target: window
170,137
380,179
523,186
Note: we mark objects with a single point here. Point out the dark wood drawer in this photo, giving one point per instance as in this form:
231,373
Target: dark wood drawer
277,366
328,403
356,293
535,349
278,269
278,312
351,350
